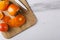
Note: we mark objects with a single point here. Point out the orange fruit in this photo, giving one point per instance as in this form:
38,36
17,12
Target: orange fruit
6,19
12,9
3,27
3,5
17,21
1,15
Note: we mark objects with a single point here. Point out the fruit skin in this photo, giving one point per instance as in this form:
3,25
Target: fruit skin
12,9
1,15
4,5
19,20
6,19
3,27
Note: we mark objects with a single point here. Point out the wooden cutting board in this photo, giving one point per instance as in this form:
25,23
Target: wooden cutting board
30,20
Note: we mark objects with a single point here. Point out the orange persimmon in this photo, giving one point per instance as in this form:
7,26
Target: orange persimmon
17,21
1,15
4,5
12,9
3,27
6,19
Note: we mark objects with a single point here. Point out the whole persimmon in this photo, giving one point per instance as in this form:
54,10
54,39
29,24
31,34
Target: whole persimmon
13,9
6,19
4,5
3,27
17,21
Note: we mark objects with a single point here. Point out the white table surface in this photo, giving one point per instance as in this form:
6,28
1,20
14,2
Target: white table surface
46,28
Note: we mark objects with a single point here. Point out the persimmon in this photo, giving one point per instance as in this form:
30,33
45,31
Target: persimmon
3,27
6,19
12,9
4,5
17,21
1,15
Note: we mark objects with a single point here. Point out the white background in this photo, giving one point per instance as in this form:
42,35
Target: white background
46,28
